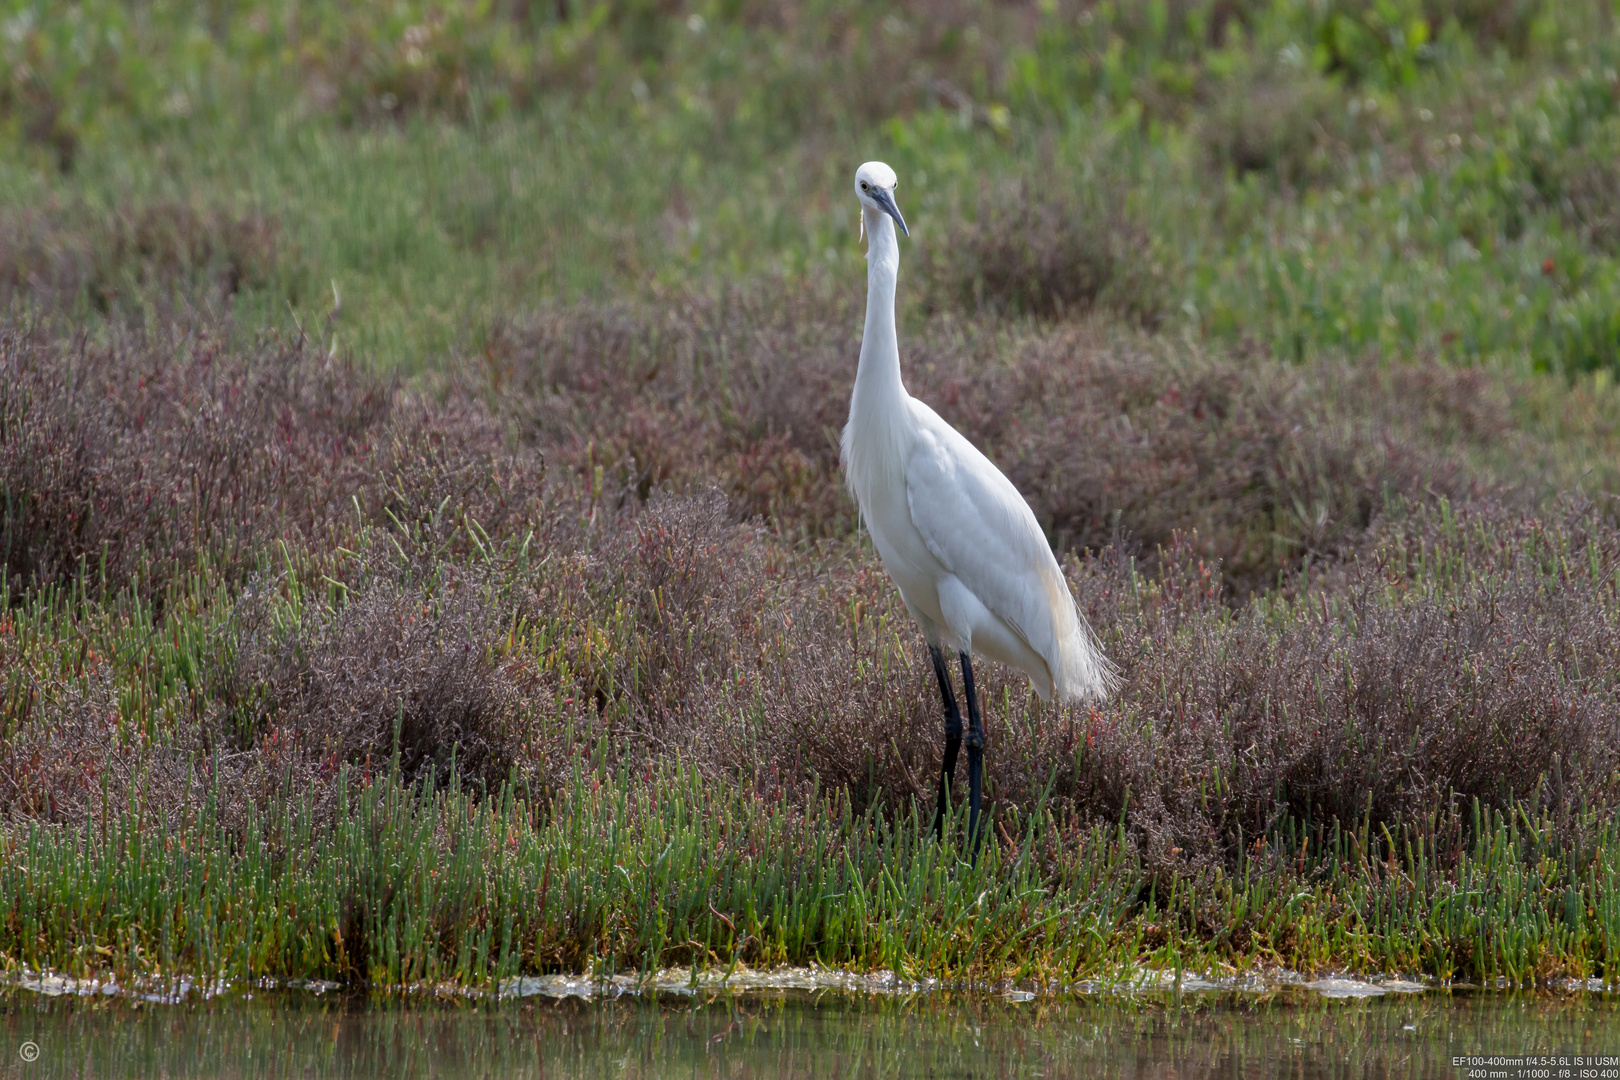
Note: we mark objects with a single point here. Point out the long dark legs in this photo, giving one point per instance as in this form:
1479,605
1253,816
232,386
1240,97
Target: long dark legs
975,749
953,744
953,737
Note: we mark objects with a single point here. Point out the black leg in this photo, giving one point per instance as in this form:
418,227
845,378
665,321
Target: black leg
975,749
953,737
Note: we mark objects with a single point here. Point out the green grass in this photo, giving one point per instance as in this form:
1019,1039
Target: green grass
416,887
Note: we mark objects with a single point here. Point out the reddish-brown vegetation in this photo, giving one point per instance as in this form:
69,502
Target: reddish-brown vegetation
625,538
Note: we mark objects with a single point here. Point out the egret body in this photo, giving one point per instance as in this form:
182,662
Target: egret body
959,541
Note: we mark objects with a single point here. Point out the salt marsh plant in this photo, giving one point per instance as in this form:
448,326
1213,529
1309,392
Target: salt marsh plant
416,886
454,701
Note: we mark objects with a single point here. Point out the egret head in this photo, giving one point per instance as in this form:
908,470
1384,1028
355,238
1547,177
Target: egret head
874,186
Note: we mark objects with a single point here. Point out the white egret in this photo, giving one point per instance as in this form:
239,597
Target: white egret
961,544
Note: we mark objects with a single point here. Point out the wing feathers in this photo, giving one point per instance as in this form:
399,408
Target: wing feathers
980,528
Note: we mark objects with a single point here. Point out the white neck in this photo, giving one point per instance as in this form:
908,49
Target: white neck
878,377
878,436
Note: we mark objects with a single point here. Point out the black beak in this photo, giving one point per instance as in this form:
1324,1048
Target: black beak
885,200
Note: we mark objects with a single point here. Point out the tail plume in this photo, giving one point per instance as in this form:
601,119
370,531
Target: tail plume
1083,672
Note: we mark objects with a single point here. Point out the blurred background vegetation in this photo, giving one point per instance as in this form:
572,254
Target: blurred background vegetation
1409,178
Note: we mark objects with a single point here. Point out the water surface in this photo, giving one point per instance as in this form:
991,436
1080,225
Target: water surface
1289,1032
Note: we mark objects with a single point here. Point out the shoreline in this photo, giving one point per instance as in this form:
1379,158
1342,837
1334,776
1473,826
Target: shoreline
678,982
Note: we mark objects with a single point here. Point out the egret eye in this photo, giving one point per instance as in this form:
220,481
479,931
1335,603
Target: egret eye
864,186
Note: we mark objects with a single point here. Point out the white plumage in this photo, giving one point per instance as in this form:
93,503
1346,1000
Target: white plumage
959,541
961,544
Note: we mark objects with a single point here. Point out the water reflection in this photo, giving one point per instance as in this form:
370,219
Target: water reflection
1292,1033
